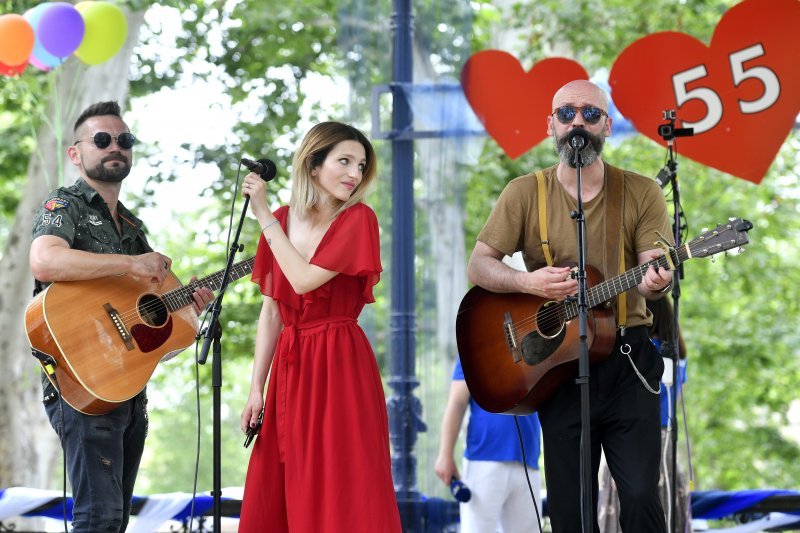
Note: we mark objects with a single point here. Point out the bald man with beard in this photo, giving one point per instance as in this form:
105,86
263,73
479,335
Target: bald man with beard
624,388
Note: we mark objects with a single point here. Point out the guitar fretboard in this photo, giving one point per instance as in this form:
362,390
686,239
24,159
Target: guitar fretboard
723,237
182,296
602,292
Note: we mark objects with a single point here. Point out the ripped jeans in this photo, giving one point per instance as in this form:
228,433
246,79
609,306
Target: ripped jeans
102,455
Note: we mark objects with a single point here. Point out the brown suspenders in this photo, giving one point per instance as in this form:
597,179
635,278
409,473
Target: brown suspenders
614,231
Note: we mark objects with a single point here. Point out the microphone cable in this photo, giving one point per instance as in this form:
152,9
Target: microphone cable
527,475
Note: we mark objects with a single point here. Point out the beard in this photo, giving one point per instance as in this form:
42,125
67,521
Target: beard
114,174
589,153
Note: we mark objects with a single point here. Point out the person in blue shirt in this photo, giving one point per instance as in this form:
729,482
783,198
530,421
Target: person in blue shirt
492,464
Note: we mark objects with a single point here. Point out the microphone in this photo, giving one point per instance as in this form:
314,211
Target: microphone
666,174
664,177
577,138
263,167
460,491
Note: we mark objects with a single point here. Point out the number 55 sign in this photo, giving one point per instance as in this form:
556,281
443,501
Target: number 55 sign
741,94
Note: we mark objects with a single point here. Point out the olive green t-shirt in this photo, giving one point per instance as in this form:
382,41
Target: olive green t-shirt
80,216
513,226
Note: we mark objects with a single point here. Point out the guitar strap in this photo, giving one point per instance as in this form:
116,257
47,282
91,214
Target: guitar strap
542,197
144,242
614,231
615,234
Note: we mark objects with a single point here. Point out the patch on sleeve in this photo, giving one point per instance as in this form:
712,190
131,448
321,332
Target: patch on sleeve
54,204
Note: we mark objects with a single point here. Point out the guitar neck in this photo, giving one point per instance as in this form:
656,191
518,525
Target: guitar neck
182,296
602,292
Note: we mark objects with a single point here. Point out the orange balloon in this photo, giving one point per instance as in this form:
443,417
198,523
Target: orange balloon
16,39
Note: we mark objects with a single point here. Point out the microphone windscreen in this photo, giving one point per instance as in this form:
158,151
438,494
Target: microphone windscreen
577,138
270,170
263,167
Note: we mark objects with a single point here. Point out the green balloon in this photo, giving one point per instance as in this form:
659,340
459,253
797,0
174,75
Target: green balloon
106,29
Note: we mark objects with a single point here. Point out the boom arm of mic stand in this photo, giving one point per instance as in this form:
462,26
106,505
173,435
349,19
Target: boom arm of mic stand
216,308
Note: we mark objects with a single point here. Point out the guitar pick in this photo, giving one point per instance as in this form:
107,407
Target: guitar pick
512,104
741,94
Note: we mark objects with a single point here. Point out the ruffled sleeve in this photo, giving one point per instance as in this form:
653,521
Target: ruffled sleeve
352,247
265,266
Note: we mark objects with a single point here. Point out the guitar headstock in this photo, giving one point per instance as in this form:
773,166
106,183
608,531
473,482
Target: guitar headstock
724,237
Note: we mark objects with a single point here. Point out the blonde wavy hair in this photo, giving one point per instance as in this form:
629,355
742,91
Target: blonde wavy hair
318,142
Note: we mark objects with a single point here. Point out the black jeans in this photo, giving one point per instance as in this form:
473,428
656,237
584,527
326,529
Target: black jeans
625,421
102,455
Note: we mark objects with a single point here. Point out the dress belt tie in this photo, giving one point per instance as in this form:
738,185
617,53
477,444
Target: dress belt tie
289,354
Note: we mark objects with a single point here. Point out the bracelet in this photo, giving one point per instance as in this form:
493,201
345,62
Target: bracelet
265,228
665,289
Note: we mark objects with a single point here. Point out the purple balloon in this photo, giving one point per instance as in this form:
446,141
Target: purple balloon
61,29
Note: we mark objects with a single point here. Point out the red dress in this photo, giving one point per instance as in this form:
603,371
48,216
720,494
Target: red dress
321,461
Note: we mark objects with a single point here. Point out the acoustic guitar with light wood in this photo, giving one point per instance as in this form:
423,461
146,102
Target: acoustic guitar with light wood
107,335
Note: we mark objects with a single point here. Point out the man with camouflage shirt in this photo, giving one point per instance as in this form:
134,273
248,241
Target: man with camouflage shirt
84,232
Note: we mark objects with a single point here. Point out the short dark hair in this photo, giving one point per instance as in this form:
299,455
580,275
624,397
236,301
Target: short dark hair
96,110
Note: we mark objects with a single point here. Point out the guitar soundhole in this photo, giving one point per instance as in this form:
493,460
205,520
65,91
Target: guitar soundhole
153,310
550,319
540,344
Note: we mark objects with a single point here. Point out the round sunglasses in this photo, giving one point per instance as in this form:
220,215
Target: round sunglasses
102,139
566,113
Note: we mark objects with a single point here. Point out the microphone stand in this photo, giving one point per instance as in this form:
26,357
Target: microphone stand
669,174
676,381
214,332
583,356
676,378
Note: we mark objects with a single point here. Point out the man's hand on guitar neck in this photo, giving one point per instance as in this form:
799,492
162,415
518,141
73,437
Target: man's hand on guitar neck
656,280
202,297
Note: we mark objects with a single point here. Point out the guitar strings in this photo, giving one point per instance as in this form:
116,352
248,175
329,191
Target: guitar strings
549,318
181,296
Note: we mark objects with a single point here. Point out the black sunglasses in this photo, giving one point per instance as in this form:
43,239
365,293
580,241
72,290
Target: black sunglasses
102,139
566,114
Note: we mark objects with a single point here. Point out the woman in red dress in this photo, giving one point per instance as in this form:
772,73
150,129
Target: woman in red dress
321,462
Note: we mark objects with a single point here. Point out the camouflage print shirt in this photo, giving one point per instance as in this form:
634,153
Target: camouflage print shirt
80,216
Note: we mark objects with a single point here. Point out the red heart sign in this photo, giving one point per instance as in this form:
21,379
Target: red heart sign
512,104
741,94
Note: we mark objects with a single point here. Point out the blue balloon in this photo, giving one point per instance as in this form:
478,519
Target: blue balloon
40,58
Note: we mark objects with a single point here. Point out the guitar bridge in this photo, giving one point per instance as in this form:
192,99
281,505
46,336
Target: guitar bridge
123,332
511,337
